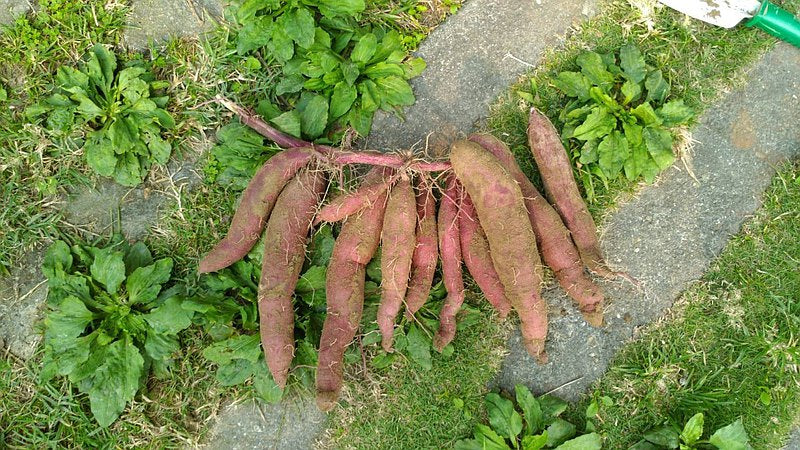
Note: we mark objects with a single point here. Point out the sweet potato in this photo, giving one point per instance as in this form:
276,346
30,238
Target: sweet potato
475,250
344,290
552,237
397,249
257,201
284,252
450,251
346,204
559,183
361,247
502,214
426,252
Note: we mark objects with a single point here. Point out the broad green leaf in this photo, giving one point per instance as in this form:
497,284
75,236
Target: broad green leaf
612,152
534,442
419,347
299,25
235,372
531,411
644,445
131,85
87,107
674,112
647,114
281,44
112,376
395,91
249,8
108,268
159,148
382,69
342,99
364,48
289,84
383,360
602,98
321,247
246,347
169,318
664,436
597,124
314,115
502,416
312,280
101,67
640,163
255,34
559,431
57,261
693,429
343,8
288,122
3,94
61,119
123,134
67,321
573,84
129,171
350,72
266,388
160,346
370,96
631,91
468,444
657,87
659,144
591,441
63,356
329,61
633,133
361,120
589,152
594,68
632,63
163,118
67,76
391,44
414,67
488,439
731,437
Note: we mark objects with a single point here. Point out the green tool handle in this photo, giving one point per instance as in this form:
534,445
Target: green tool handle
777,22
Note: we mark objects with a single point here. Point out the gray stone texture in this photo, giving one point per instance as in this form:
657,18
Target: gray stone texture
10,9
292,424
22,296
159,20
472,58
668,235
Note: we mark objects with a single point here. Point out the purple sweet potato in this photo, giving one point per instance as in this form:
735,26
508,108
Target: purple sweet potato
344,290
257,201
450,250
475,250
284,252
397,249
562,190
349,203
426,252
501,210
552,237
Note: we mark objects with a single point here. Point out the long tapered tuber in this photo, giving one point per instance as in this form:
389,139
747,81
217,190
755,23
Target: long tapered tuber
257,201
349,203
501,211
284,253
397,249
552,237
450,251
426,251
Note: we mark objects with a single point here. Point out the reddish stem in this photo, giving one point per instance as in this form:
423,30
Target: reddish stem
335,155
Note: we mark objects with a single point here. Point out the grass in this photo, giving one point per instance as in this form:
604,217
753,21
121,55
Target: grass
728,348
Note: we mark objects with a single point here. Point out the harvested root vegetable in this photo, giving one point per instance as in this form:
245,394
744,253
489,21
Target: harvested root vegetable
552,237
475,250
346,204
426,252
502,214
559,182
397,249
450,251
284,253
257,201
344,290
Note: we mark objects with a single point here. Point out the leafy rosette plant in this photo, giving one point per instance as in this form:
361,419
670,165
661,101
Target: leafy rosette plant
335,72
619,119
109,322
121,107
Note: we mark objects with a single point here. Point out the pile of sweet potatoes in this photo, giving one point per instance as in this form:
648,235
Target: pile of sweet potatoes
490,219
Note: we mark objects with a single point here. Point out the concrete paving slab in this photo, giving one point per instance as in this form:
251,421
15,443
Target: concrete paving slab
671,232
22,296
11,9
472,58
159,20
291,425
